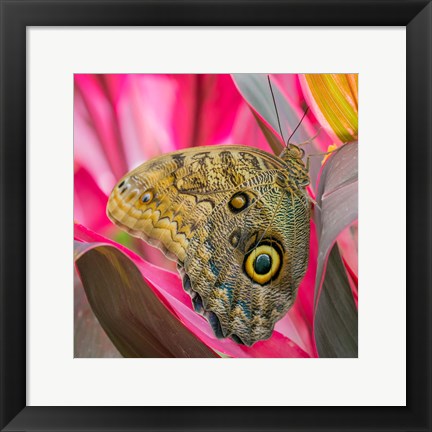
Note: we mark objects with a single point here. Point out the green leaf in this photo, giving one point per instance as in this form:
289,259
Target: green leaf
336,320
337,208
337,200
131,314
90,340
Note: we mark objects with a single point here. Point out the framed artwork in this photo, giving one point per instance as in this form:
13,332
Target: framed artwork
252,295
215,216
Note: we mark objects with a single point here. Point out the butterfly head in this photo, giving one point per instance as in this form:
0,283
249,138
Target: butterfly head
292,152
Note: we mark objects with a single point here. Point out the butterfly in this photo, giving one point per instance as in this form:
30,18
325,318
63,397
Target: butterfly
236,219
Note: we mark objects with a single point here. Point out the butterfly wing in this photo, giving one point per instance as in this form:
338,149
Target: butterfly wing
164,199
236,221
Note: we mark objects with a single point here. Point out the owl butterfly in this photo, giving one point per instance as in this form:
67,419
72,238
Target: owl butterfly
236,219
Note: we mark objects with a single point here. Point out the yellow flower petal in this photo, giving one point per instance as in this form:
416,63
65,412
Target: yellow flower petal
334,101
330,149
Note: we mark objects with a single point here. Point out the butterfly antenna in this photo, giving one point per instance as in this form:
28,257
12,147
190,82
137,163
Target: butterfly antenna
300,122
274,103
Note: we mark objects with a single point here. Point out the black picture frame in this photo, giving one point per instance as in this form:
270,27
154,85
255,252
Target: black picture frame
16,15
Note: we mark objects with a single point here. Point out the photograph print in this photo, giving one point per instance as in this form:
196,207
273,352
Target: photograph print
216,216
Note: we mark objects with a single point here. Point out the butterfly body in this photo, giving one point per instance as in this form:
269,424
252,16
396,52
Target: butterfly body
237,221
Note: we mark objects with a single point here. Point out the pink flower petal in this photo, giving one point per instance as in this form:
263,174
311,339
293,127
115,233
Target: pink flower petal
298,323
247,132
205,109
89,201
289,84
101,115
